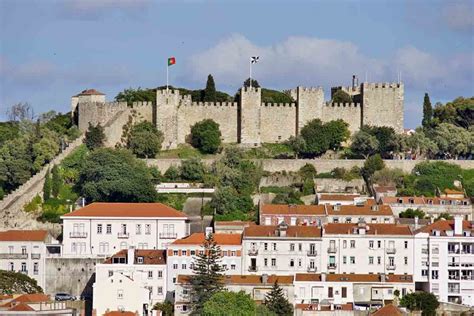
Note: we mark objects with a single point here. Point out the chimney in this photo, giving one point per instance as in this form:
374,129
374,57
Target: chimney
458,225
264,278
416,222
323,277
131,255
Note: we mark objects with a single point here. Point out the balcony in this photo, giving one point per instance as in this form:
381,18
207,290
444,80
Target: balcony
168,235
253,252
332,266
123,235
35,256
311,269
78,235
13,256
391,251
332,250
391,266
253,269
312,253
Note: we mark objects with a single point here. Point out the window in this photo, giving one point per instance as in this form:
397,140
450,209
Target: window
224,266
292,247
292,262
233,254
193,252
99,228
379,244
35,268
109,229
371,260
183,252
265,246
352,260
274,246
160,274
120,294
123,245
353,243
232,266
405,260
406,244
111,273
344,244
175,252
434,274
160,290
183,266
265,262
379,260
140,259
23,250
138,229
348,220
371,244
344,259
344,292
330,293
103,247
335,220
274,262
424,272
300,263
147,229
11,266
300,247
175,266
150,274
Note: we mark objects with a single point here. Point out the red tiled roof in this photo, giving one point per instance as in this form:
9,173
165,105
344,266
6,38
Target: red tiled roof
339,197
385,189
248,279
23,235
371,229
444,225
99,209
21,308
348,277
32,298
150,256
376,210
285,209
90,92
119,313
234,223
291,231
387,310
220,239
403,199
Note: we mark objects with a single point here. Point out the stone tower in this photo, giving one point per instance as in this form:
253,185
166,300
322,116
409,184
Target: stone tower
250,103
167,102
86,96
310,105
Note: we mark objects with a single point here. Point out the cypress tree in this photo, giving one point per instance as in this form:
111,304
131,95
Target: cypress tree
56,181
210,91
427,111
277,303
47,187
208,274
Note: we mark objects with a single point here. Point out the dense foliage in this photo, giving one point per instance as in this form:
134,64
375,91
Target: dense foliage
210,90
94,137
225,303
17,283
424,301
427,111
268,95
459,112
341,96
277,303
371,165
206,136
144,140
320,137
411,213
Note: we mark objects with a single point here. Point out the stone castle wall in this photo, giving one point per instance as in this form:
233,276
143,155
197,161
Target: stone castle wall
351,113
278,122
97,113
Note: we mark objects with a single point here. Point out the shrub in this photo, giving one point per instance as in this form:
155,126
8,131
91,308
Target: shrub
206,136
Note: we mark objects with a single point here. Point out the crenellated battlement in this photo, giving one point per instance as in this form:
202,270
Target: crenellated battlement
382,85
288,105
141,104
186,98
343,105
251,90
215,104
311,89
169,91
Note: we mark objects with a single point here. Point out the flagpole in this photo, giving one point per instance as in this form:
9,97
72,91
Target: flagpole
167,76
250,77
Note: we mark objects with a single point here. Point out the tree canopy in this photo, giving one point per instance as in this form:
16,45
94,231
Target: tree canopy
411,213
320,137
94,137
340,96
144,140
424,301
18,283
206,136
225,303
277,303
210,90
427,111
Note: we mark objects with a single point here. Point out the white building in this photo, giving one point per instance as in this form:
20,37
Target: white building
369,213
102,229
341,199
130,280
25,251
281,249
444,260
308,215
182,252
367,248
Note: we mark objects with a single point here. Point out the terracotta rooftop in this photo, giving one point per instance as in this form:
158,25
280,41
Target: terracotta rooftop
90,92
403,200
220,239
150,256
23,235
338,197
248,279
346,277
99,209
22,307
292,209
387,310
371,229
323,308
291,231
377,210
385,189
445,225
234,223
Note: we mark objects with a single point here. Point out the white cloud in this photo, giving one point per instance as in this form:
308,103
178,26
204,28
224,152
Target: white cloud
459,15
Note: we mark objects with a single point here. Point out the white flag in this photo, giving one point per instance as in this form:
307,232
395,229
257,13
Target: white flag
254,59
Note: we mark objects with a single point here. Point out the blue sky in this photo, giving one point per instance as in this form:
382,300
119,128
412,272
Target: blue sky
51,49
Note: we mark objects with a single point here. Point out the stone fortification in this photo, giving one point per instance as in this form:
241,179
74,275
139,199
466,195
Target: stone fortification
248,121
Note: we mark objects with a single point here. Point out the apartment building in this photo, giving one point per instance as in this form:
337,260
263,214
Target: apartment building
25,251
281,249
444,260
362,290
102,229
254,285
181,255
369,213
132,280
342,199
365,248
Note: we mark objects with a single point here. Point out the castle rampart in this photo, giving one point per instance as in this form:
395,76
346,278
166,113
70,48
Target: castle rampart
348,112
278,122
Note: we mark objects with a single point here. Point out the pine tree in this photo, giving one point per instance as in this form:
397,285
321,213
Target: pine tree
427,111
208,274
56,181
47,187
95,137
210,91
277,303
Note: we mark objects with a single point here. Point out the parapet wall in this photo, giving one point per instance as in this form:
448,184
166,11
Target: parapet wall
98,113
349,112
277,122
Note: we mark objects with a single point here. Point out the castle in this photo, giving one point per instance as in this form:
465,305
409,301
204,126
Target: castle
248,121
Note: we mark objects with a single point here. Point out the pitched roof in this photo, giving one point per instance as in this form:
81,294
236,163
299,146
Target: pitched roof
32,298
234,223
385,188
387,310
220,239
248,279
291,231
370,229
23,235
22,307
338,197
90,92
99,209
292,209
372,210
348,277
444,225
150,256
403,200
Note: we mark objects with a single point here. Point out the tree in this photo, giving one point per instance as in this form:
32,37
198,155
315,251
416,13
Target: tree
338,132
227,201
276,301
460,112
424,301
192,169
453,141
316,138
44,147
18,283
364,144
288,198
115,175
420,145
208,274
166,308
47,186
308,171
372,164
297,144
144,140
255,83
131,95
388,140
172,173
230,303
56,181
427,111
210,90
95,137
21,111
206,136
411,213
445,216
341,96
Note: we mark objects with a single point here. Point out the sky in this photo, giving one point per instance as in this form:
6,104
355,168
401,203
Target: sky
51,49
